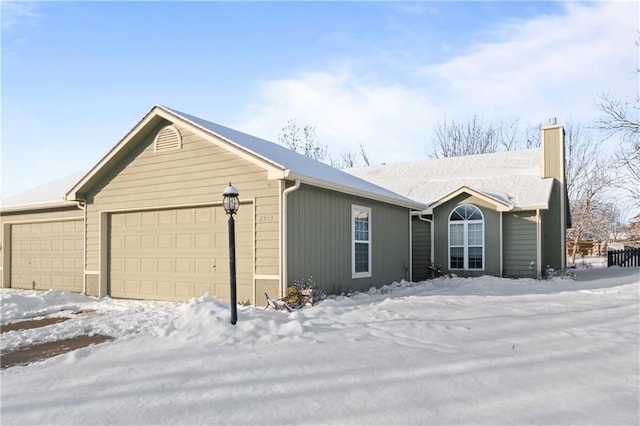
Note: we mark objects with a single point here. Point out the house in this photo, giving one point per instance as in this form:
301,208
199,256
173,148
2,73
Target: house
501,214
146,222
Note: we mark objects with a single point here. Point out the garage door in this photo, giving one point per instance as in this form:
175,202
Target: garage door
47,255
177,254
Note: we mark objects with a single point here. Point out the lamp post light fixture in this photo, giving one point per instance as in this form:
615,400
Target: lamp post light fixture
231,205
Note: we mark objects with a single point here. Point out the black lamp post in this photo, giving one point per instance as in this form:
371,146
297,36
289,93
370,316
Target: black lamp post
231,205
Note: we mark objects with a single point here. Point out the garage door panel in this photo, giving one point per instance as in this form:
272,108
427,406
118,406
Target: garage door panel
176,254
48,255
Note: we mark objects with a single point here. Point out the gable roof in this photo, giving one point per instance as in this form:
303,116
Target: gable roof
280,162
49,195
510,179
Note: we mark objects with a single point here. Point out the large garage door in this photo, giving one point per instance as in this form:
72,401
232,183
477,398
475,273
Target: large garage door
177,254
47,255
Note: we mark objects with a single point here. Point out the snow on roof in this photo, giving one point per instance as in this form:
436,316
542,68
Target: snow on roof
51,192
512,177
300,166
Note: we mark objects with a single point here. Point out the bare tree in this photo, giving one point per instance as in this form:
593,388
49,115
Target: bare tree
303,140
454,139
588,179
621,118
350,159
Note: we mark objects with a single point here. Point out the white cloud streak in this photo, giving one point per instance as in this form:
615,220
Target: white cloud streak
548,66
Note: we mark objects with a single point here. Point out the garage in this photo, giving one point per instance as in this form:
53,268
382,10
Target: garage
177,254
46,255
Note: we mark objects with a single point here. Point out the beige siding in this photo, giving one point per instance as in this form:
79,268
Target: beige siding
192,176
491,234
520,244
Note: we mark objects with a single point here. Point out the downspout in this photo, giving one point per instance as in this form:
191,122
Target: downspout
82,205
539,243
283,273
430,221
501,246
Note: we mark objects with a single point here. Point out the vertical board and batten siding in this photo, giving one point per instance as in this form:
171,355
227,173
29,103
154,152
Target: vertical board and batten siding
420,249
319,240
193,176
43,249
519,244
491,235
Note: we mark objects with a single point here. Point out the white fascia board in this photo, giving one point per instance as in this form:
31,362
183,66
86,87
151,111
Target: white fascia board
500,206
38,206
274,170
354,191
73,192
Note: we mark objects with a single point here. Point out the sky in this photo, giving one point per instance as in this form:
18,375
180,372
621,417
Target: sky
77,76
449,351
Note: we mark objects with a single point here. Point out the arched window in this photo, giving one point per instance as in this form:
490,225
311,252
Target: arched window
466,238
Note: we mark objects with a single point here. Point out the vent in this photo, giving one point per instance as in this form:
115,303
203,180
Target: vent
167,139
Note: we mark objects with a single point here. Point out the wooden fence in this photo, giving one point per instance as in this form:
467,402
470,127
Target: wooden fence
626,257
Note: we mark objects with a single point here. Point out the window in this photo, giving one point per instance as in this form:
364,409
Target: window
361,242
466,238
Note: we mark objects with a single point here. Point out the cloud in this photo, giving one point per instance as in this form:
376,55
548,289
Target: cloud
346,111
547,66
17,12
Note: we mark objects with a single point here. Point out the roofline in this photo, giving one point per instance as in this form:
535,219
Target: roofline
39,206
72,194
500,205
274,170
410,204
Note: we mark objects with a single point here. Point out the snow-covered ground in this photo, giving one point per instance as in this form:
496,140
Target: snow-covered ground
448,351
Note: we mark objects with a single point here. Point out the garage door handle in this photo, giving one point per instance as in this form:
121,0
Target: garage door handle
213,263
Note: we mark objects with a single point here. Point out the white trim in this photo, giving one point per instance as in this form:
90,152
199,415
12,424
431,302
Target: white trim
367,274
500,273
284,272
407,203
92,272
253,257
539,243
410,278
38,206
499,205
57,219
465,239
266,277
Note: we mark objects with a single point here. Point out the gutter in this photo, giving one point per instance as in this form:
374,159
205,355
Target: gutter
284,245
401,201
38,206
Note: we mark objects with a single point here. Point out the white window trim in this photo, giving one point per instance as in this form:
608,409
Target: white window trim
465,246
355,209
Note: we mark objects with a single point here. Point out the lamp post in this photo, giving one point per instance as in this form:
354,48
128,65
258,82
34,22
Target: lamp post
231,205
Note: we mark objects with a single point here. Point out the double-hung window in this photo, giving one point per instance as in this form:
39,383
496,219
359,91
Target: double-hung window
360,241
466,238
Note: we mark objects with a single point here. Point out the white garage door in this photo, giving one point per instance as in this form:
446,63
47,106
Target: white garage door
177,254
47,255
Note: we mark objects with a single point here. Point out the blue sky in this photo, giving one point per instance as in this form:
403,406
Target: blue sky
76,76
